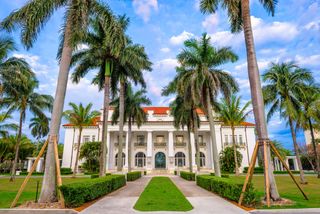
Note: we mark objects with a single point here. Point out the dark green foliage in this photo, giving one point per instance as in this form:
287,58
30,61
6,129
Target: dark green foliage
212,174
94,176
34,173
257,170
227,188
65,171
132,176
285,172
175,172
108,173
76,194
225,176
190,176
89,151
145,172
227,160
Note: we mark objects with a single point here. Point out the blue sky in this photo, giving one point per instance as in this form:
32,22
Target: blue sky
162,26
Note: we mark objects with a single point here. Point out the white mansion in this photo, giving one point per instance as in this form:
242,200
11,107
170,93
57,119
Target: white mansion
157,145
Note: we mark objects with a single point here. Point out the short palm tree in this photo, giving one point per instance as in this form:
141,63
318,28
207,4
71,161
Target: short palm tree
4,126
103,49
184,117
39,127
80,116
23,98
133,113
285,82
239,15
206,80
232,114
31,18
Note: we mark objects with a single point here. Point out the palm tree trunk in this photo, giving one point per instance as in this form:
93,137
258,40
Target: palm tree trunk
74,133
296,150
314,148
189,150
235,152
16,155
48,190
121,122
75,168
214,149
129,144
196,139
106,101
256,93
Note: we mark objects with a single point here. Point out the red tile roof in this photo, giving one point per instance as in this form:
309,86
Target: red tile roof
95,122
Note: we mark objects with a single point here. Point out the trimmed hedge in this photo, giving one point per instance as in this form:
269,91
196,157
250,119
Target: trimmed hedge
227,188
76,194
34,173
257,170
285,172
108,173
94,176
132,176
65,171
190,176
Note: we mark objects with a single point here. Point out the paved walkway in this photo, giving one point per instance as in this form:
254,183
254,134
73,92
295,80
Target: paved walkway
123,200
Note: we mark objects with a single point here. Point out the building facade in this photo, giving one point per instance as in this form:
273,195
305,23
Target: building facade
158,145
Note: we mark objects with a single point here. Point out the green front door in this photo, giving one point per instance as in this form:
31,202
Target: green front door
160,160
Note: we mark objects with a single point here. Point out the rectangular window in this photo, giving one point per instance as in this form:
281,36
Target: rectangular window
93,138
226,139
140,139
160,139
179,138
124,138
240,140
200,138
86,138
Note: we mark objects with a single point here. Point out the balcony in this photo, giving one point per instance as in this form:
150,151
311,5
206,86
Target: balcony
202,144
241,145
180,144
140,144
117,144
159,144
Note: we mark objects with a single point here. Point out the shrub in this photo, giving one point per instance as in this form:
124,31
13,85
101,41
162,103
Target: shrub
132,176
94,176
257,170
34,173
175,172
285,172
65,171
227,159
212,174
190,176
108,173
225,176
76,194
144,172
228,188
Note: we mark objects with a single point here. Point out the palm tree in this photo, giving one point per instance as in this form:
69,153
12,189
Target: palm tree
31,18
39,127
133,113
4,126
103,49
309,114
240,19
206,80
285,82
80,116
233,115
23,98
183,116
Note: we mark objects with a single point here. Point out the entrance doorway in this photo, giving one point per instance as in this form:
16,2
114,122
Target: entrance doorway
160,160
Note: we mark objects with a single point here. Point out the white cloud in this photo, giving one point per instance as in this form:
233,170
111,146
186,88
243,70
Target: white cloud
179,39
210,23
314,25
313,60
143,8
262,64
165,50
165,65
34,62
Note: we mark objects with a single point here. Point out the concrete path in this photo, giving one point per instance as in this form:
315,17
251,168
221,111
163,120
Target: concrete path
123,200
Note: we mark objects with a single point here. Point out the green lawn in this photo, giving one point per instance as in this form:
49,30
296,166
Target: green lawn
8,190
288,189
162,195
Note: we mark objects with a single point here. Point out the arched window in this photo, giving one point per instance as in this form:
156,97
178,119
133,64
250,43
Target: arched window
180,159
123,159
202,159
140,159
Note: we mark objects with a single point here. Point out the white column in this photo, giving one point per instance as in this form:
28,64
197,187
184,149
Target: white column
108,159
29,165
193,149
149,151
170,144
126,151
296,168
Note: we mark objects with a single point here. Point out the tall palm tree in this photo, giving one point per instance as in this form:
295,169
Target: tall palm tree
285,82
240,19
310,100
183,116
4,126
80,116
23,98
31,18
133,113
233,115
184,95
39,127
103,49
206,80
